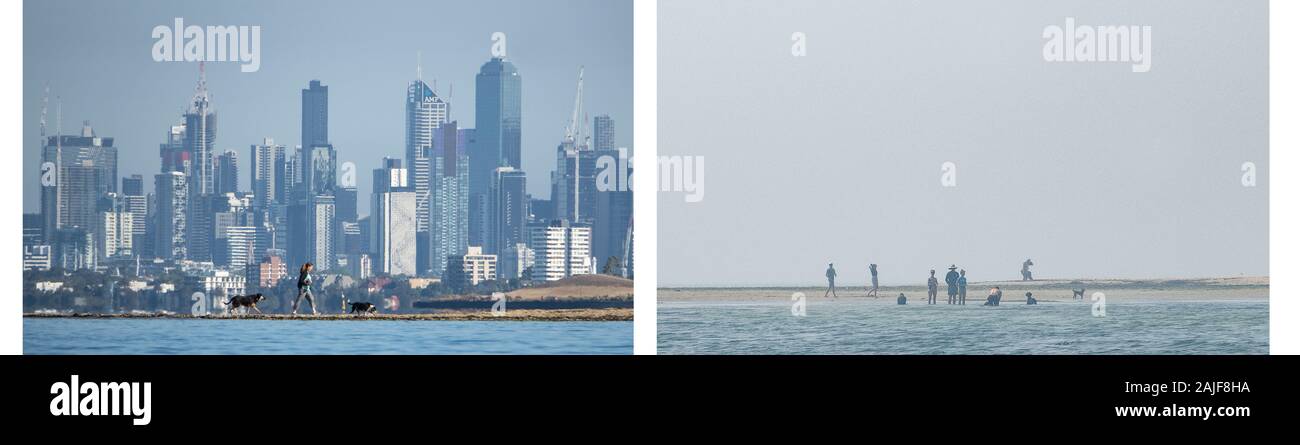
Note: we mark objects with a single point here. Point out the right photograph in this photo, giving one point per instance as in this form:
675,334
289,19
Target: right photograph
947,177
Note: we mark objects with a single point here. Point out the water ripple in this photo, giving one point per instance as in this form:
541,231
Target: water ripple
875,327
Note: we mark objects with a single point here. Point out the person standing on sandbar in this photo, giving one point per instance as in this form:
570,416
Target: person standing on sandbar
961,288
951,280
933,284
830,281
875,283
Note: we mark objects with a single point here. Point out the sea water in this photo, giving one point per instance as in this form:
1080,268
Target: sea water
858,326
229,337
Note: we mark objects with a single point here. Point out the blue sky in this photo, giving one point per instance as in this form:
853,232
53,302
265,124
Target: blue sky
96,58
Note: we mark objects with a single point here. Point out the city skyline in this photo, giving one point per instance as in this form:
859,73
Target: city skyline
247,116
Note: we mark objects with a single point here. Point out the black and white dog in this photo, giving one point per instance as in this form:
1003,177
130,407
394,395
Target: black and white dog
246,301
363,308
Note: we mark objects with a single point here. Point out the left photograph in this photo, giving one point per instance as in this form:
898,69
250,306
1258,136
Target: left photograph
305,177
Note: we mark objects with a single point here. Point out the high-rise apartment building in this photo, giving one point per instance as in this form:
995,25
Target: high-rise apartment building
560,250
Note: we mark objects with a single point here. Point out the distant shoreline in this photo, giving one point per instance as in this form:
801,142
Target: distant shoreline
1048,283
1045,290
509,315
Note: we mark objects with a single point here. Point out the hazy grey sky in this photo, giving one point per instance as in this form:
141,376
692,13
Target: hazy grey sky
1089,169
96,56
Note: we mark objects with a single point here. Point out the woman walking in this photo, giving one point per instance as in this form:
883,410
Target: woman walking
304,289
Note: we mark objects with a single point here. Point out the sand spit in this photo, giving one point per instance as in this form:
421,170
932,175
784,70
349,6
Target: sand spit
1045,290
509,315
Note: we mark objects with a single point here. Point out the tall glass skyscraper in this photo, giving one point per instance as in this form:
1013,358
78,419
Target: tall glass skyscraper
315,114
84,168
425,112
449,235
226,174
267,173
199,137
497,93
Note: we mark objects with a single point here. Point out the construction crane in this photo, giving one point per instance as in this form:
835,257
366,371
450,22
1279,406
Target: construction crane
573,133
573,140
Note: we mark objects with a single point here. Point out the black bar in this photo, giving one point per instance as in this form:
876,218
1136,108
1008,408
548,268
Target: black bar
409,391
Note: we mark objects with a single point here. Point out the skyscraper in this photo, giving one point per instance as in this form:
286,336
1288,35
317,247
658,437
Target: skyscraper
508,210
450,229
137,203
171,191
172,152
392,219
82,169
497,116
612,219
199,135
425,113
226,173
315,114
321,232
603,133
319,170
267,171
345,198
573,183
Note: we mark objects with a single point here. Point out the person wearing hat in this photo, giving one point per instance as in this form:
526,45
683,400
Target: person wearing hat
830,278
933,284
961,288
951,280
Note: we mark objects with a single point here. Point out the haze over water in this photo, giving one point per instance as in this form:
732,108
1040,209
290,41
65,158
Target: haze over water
858,326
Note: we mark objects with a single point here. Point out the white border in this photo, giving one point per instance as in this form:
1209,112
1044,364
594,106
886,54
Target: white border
11,130
645,174
1283,138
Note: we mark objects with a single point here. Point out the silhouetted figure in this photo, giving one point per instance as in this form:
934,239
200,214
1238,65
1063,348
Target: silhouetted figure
1078,294
902,299
933,284
830,281
1029,298
951,280
961,288
1025,274
875,282
995,297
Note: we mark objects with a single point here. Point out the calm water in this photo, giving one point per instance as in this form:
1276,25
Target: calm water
880,327
181,336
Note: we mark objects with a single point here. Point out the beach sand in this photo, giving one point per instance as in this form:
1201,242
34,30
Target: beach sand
1045,290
